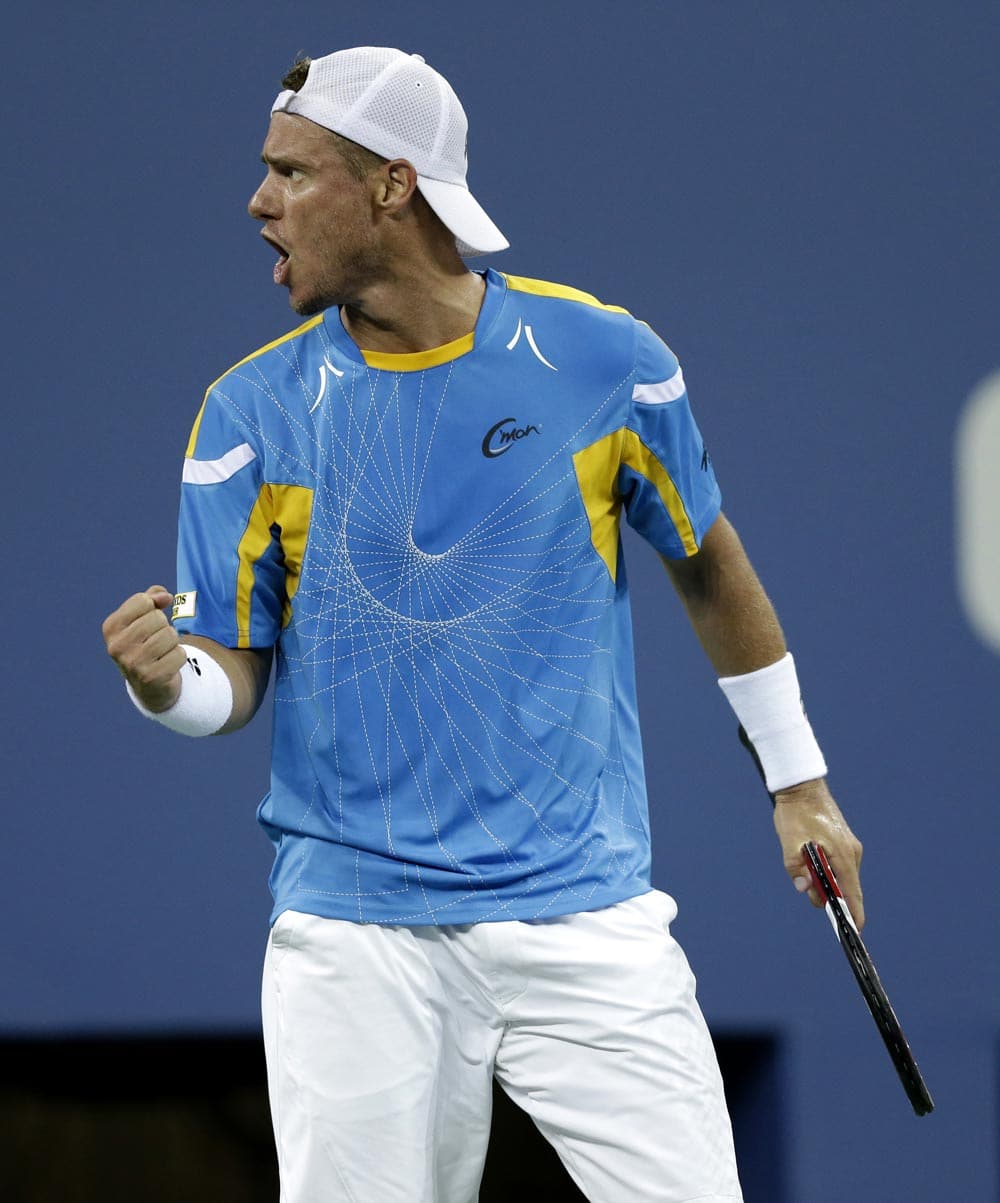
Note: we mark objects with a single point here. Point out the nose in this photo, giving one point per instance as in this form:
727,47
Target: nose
262,204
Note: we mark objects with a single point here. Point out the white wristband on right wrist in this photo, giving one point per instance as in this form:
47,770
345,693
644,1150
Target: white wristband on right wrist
206,699
768,704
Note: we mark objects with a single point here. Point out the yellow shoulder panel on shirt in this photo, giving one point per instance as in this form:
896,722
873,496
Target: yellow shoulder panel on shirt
597,477
313,321
638,456
293,514
543,288
255,541
288,507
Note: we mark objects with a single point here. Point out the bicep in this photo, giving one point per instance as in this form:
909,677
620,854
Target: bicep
720,553
726,603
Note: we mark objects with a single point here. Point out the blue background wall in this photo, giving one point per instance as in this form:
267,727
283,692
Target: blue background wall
802,199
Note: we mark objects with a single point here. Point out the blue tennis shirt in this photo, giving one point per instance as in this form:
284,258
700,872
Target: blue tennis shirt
432,542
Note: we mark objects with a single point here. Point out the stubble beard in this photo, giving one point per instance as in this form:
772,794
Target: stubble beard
310,306
347,283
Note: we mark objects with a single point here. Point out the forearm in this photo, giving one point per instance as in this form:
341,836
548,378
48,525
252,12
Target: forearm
248,671
739,630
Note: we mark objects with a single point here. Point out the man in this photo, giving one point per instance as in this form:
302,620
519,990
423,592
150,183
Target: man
415,497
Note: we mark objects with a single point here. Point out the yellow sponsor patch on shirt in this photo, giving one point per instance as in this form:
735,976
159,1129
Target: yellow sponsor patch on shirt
185,604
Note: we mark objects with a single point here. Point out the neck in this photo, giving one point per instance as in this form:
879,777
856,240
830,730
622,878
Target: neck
416,309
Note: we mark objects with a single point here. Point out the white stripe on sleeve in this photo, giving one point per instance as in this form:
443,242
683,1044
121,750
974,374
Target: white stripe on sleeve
214,471
661,393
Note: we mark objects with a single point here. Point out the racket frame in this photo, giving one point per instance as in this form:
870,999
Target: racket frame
872,990
839,913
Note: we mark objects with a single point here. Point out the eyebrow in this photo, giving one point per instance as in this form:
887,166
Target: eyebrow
282,161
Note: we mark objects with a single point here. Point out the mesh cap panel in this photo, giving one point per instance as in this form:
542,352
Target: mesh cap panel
395,105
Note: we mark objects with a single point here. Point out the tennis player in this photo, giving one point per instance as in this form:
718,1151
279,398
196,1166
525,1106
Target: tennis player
412,502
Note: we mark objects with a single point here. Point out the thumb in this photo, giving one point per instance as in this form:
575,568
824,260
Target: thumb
160,595
798,870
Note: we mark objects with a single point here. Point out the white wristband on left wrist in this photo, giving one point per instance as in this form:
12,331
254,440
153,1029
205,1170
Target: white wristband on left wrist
206,699
769,706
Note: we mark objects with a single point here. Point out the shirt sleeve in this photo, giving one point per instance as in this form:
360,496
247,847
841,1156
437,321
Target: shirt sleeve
665,480
230,570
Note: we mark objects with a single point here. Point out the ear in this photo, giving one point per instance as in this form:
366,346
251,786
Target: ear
397,182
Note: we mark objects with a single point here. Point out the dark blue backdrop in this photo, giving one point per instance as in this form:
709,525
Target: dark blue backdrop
802,199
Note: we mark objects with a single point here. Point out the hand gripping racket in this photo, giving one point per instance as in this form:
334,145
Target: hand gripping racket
862,966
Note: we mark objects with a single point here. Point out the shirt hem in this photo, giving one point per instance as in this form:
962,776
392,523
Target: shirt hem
525,909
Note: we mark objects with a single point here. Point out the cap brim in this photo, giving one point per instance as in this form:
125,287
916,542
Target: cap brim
475,233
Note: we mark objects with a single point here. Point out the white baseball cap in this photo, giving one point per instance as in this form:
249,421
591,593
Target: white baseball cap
395,105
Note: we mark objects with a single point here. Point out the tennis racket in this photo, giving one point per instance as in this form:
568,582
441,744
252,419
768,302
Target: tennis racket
862,966
864,971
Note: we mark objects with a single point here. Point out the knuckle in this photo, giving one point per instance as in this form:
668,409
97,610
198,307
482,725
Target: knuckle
171,640
116,648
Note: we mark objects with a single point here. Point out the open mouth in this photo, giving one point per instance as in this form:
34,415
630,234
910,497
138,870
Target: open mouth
281,267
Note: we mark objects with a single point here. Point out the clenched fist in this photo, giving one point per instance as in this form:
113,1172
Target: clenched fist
146,648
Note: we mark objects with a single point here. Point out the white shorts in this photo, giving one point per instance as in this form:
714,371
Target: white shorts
382,1043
